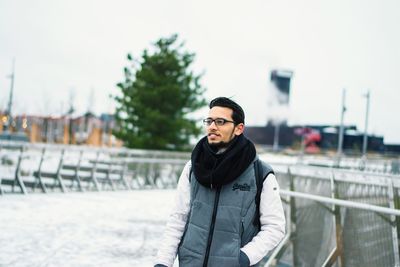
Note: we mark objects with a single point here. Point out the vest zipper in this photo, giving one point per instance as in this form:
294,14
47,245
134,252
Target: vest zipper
241,227
211,233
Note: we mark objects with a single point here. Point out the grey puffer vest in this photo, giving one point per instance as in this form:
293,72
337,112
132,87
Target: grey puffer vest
220,222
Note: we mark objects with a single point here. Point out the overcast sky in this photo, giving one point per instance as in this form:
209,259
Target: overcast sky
79,48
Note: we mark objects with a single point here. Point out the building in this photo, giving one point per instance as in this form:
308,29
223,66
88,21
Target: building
318,137
87,129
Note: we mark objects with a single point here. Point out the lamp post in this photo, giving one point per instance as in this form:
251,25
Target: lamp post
275,146
365,139
9,106
341,131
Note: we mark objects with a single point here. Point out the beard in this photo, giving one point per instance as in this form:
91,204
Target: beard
221,145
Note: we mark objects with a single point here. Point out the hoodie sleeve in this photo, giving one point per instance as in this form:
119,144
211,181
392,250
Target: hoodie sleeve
176,222
272,218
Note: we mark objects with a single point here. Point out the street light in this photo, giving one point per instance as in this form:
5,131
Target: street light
341,131
9,106
365,140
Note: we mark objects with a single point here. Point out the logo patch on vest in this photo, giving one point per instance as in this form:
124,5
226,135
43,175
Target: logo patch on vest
241,187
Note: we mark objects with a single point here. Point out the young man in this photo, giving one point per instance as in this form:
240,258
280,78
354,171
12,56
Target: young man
218,220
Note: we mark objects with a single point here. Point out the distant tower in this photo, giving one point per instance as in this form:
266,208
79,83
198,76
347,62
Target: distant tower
281,81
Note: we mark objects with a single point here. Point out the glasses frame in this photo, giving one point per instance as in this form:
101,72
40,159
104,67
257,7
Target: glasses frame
209,121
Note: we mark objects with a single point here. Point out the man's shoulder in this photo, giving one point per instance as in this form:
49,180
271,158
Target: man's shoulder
266,167
262,171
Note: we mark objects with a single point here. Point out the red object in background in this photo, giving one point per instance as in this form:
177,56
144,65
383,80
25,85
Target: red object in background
310,138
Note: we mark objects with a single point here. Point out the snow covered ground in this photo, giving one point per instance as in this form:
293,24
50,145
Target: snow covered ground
120,228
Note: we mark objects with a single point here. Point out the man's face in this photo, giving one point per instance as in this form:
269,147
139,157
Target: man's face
220,135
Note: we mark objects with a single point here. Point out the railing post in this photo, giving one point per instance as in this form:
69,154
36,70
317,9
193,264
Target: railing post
337,252
18,173
293,219
393,224
150,174
124,166
108,177
77,178
39,175
58,173
338,222
93,173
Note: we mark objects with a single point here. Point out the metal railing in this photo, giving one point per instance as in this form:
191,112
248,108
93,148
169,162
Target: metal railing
372,164
30,168
338,219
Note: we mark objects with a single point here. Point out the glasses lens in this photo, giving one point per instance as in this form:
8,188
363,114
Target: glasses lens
207,122
219,122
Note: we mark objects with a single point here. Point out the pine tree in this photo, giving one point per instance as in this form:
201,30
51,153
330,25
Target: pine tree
158,93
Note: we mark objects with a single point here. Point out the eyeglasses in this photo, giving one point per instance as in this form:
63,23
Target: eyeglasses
218,121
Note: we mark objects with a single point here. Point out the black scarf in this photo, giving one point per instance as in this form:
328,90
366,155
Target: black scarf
214,170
